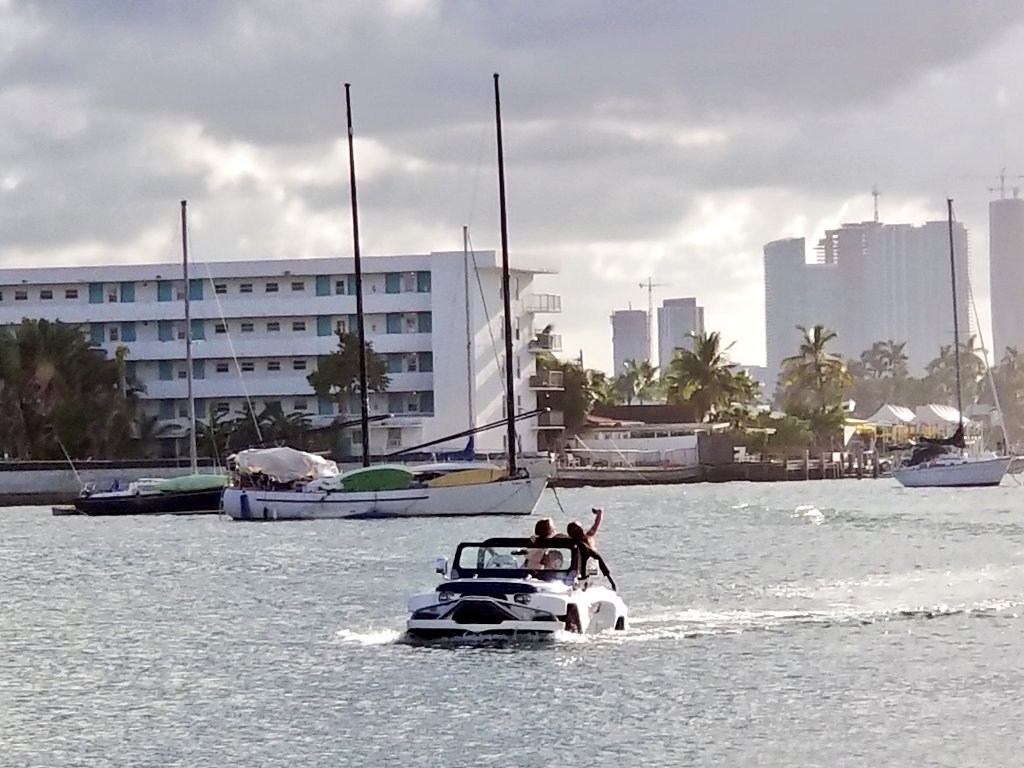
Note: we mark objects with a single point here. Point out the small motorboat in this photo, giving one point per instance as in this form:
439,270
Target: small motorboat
515,586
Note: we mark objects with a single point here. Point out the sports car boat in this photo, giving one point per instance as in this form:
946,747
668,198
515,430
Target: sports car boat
509,587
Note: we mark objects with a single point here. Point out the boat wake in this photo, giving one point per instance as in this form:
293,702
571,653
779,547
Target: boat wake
368,638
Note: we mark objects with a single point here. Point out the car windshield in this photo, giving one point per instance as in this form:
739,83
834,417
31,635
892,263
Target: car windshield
519,556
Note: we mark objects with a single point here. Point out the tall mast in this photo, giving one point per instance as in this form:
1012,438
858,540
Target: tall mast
192,451
956,318
470,372
364,395
505,294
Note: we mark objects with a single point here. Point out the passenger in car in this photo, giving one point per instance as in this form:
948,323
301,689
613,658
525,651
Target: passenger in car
544,529
575,530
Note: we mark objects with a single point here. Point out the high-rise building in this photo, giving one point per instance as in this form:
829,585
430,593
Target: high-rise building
1006,266
629,338
869,282
678,321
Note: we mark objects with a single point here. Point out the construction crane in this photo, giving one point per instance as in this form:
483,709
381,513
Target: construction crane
1001,189
650,286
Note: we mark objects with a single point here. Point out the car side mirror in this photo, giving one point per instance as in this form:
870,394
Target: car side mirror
441,566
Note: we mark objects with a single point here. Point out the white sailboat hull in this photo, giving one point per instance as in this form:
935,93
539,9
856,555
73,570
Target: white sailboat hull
947,473
502,497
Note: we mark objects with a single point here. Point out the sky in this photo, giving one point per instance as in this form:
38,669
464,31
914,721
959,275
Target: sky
641,139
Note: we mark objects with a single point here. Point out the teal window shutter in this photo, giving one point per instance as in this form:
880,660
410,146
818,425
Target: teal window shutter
131,368
351,285
164,330
97,333
323,324
424,322
394,322
166,370
353,324
128,292
392,282
426,362
198,369
195,290
166,407
423,282
325,407
95,293
164,291
427,402
396,402
198,330
323,285
394,362
128,331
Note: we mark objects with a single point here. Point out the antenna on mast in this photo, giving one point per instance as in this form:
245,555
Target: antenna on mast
875,193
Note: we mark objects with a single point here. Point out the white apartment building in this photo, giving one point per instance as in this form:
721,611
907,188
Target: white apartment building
258,329
677,320
629,338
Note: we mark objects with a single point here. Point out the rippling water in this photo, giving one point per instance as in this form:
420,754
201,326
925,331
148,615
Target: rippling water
820,623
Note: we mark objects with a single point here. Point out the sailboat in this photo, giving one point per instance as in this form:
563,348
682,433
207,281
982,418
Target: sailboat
290,485
944,462
190,494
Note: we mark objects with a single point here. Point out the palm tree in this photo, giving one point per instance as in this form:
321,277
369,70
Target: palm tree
640,380
703,377
815,382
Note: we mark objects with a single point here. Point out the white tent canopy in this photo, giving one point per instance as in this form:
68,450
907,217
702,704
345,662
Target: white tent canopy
891,416
935,415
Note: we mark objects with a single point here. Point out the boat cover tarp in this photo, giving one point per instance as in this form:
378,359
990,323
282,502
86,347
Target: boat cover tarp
383,477
283,464
475,476
191,483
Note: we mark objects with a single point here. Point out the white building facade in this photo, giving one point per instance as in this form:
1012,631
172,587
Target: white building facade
677,320
258,329
629,338
1006,273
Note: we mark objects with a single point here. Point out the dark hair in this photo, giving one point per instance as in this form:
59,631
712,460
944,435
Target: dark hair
544,528
575,530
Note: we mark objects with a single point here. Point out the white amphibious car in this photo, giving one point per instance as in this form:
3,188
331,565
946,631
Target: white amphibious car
518,586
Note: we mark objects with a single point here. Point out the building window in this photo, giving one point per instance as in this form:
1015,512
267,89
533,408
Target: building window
223,368
220,327
273,365
299,326
298,365
247,327
21,295
248,366
223,408
300,405
298,285
113,333
183,412
182,374
71,293
273,326
339,326
410,363
339,287
271,288
46,294
220,287
245,288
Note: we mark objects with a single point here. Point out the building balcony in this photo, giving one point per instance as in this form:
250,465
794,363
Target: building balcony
546,342
551,420
548,380
542,302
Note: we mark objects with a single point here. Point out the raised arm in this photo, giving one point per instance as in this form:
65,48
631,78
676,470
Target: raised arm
598,514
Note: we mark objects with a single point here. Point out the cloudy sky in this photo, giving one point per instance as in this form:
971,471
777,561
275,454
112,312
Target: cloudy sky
642,139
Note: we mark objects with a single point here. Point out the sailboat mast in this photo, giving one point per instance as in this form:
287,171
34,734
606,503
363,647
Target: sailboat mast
956,314
505,293
192,450
364,395
470,372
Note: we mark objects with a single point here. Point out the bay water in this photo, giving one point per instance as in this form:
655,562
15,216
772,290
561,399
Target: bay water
829,623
